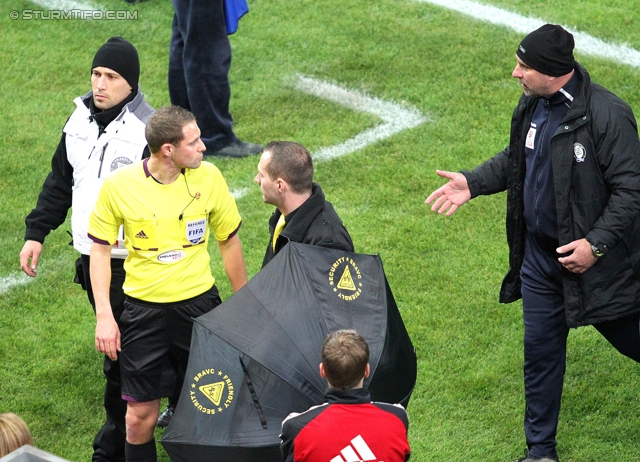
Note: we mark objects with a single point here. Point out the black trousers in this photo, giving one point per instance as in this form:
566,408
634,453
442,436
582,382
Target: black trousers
199,62
545,345
108,445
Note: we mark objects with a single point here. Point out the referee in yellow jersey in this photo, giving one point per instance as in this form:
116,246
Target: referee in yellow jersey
168,205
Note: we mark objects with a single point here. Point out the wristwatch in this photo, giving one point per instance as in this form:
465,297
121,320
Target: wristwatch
596,251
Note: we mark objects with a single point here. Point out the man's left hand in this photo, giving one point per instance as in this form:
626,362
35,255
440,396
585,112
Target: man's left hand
581,258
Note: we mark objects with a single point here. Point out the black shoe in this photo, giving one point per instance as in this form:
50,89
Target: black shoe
528,458
133,2
165,417
237,149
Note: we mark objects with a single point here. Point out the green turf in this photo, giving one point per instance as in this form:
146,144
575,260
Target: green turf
445,272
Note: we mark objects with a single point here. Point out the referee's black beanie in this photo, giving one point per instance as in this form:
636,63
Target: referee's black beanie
548,50
121,56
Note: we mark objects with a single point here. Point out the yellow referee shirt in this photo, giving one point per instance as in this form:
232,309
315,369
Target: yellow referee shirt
166,228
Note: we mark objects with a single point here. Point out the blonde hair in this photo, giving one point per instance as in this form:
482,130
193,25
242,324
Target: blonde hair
14,433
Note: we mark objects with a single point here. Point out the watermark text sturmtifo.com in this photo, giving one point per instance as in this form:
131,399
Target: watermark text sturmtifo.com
110,15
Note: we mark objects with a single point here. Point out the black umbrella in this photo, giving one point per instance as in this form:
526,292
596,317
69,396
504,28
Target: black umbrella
254,359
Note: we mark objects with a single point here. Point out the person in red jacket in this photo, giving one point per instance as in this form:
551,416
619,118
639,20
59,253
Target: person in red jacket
348,426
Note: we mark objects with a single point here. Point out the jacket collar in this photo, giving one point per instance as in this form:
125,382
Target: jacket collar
355,396
299,220
579,104
131,106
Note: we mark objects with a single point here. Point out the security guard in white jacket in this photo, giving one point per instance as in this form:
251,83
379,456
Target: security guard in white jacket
105,132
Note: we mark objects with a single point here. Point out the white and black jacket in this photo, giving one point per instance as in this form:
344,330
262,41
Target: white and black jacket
84,157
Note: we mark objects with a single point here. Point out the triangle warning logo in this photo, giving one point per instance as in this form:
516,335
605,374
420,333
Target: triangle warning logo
213,391
348,287
211,398
346,281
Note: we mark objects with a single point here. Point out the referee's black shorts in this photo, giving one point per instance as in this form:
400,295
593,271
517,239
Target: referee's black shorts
154,335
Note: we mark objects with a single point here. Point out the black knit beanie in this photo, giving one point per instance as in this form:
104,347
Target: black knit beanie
119,55
548,50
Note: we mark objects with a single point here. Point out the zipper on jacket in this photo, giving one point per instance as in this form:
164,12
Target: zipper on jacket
104,148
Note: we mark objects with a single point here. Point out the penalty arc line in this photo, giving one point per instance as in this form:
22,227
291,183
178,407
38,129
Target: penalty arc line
395,118
585,43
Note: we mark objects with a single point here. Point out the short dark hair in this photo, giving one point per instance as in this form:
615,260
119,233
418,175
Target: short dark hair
165,126
292,162
345,355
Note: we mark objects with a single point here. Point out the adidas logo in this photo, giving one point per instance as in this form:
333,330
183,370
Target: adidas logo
141,235
357,451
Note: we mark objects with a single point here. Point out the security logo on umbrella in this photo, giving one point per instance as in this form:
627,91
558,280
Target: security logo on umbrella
349,286
205,392
267,338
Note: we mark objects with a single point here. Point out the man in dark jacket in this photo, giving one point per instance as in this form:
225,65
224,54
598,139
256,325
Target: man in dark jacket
285,176
572,176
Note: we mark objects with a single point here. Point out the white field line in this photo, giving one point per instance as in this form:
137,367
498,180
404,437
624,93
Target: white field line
395,116
585,43
16,279
63,5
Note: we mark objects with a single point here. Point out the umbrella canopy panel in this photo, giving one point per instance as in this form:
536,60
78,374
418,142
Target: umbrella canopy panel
254,359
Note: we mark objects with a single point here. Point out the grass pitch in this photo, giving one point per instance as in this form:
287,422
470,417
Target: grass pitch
445,272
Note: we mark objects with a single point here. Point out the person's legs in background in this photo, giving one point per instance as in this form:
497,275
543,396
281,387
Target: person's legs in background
199,62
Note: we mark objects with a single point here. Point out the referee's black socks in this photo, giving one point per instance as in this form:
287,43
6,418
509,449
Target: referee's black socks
141,452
